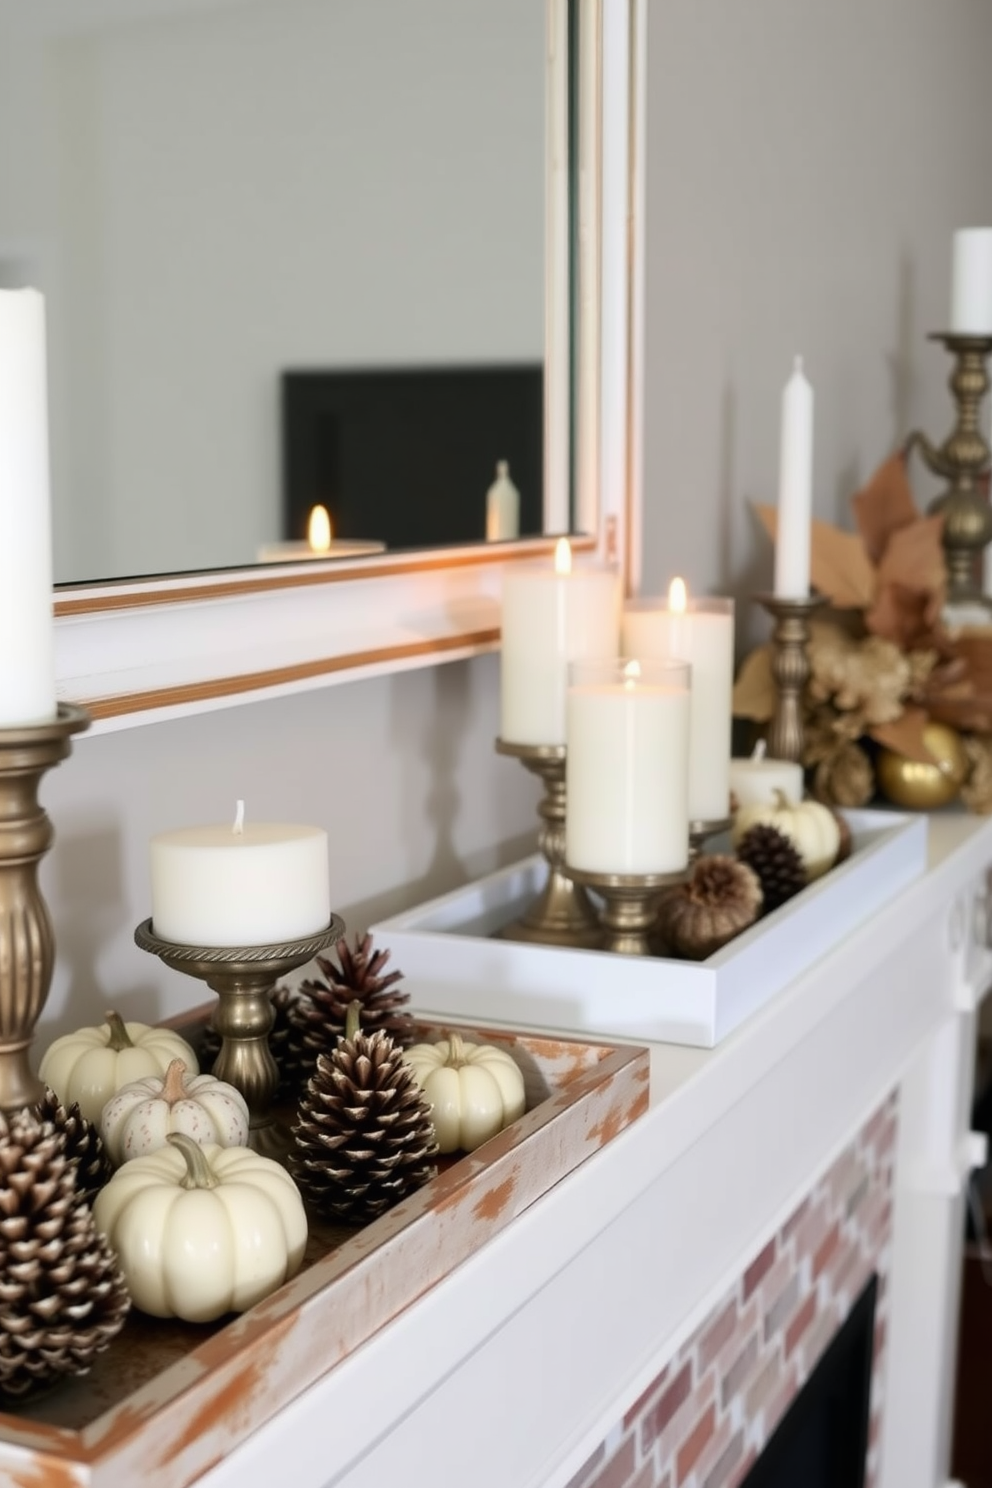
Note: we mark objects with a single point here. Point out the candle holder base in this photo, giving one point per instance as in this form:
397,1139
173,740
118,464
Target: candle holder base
630,906
562,914
27,942
790,668
243,978
701,831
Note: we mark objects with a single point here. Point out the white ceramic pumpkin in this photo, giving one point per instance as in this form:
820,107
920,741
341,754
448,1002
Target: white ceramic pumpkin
812,828
201,1231
474,1090
139,1118
91,1065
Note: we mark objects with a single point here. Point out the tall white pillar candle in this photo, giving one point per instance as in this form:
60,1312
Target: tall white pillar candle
551,617
971,282
240,885
627,767
795,488
27,641
701,632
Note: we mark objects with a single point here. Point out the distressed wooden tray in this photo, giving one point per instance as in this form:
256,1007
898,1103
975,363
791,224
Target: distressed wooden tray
168,1400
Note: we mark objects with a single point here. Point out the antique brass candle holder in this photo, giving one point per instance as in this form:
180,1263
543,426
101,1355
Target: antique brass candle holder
243,978
963,461
700,833
563,913
631,902
27,942
790,668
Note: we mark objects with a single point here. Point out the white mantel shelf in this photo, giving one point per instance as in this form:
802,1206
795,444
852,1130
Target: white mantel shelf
511,1371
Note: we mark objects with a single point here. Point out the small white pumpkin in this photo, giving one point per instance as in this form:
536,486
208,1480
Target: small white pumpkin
91,1065
201,1231
139,1118
474,1090
812,828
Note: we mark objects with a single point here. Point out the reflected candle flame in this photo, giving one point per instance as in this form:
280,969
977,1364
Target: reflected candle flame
631,673
677,598
319,530
563,556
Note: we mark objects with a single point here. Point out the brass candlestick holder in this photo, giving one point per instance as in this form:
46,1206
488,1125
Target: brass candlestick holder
27,942
631,902
700,833
243,978
563,913
790,668
962,460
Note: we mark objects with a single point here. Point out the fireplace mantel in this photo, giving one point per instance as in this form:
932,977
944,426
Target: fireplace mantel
513,1370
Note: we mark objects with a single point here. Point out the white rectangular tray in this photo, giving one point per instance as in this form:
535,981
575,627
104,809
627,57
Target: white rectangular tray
454,967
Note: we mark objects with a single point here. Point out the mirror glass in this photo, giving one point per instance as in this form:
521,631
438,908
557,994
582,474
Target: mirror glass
215,193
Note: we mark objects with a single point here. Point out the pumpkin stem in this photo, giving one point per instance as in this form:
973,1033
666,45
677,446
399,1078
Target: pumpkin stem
199,1173
174,1084
118,1033
456,1051
353,1019
782,801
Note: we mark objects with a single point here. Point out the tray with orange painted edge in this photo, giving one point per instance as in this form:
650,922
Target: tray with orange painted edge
168,1400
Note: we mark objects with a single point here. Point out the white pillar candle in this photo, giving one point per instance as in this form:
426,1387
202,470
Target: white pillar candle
701,632
627,769
256,884
971,282
551,617
27,641
755,781
795,488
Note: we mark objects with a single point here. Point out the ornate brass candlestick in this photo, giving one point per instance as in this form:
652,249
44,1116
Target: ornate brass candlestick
963,459
243,978
630,906
27,942
790,668
562,914
701,831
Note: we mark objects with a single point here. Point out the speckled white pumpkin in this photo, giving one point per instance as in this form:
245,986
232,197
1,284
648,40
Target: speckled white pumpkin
140,1117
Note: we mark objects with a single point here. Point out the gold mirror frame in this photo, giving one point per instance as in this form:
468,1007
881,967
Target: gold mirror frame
142,651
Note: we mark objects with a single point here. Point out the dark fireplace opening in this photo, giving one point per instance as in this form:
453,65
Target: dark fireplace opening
822,1440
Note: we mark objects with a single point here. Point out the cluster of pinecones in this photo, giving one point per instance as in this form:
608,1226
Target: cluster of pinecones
724,895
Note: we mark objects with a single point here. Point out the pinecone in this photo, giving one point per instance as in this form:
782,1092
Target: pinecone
364,1137
776,862
82,1143
317,1017
280,1033
720,898
62,1295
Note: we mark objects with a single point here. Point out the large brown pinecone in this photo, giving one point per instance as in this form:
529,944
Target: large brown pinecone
280,1034
364,1137
81,1141
776,862
62,1295
317,1017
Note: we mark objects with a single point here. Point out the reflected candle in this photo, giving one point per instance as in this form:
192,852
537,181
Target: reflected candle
240,885
627,767
701,632
551,617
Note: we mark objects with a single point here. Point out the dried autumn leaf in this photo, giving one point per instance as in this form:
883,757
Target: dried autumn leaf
839,566
905,736
884,506
914,557
755,694
910,618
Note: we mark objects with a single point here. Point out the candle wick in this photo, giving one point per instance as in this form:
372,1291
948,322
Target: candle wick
760,750
239,819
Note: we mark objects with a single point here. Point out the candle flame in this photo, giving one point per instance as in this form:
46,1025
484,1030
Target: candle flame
677,599
319,530
631,673
239,819
760,750
563,556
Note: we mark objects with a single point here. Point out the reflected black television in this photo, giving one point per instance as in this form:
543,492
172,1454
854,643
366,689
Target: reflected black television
407,455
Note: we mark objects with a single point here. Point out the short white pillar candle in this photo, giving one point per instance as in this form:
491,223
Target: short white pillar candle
240,885
551,616
701,632
627,767
971,282
757,780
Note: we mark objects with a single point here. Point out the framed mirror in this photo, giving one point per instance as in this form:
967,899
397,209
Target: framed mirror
231,628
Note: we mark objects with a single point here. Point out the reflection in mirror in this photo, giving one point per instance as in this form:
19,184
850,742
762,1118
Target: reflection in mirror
219,191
